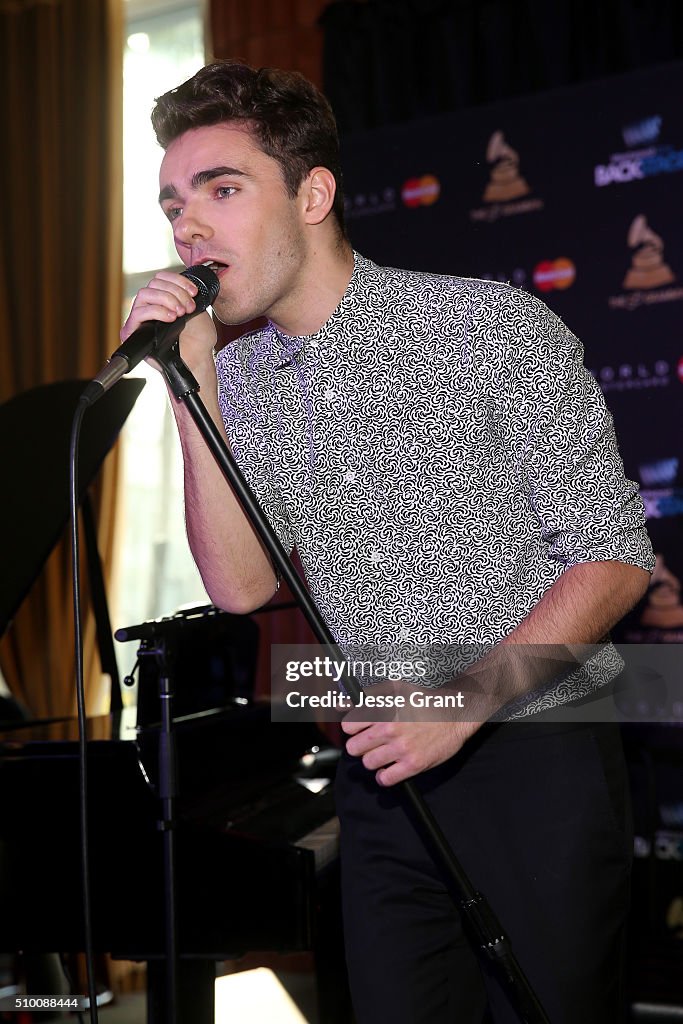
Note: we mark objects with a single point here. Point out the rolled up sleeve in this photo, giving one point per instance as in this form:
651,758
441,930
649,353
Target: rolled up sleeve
561,438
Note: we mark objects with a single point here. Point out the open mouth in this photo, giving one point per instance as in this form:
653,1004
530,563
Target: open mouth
215,266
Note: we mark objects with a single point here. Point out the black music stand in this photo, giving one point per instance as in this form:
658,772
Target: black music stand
35,427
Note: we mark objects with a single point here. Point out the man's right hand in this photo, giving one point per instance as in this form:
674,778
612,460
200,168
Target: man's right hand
168,296
235,567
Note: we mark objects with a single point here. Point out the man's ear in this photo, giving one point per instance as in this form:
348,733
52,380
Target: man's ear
318,191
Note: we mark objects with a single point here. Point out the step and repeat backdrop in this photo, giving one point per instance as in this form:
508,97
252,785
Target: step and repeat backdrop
576,196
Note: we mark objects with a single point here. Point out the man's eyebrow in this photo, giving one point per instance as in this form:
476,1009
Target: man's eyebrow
168,192
201,178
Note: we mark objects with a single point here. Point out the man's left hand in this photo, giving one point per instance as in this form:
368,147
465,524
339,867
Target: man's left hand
395,751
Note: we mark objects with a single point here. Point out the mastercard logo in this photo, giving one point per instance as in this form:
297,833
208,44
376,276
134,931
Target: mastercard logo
551,274
421,191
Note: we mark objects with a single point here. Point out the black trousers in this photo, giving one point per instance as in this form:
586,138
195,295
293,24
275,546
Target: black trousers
539,817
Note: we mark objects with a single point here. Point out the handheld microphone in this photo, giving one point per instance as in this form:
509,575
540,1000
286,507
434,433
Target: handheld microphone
153,336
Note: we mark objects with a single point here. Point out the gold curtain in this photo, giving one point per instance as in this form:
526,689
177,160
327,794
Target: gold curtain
60,274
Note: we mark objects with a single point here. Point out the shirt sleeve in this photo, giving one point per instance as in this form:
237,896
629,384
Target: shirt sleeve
247,429
556,427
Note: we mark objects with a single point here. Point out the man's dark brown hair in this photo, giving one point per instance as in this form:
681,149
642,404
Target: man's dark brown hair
290,119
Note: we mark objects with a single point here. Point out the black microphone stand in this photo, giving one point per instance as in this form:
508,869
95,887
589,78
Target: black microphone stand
492,941
180,989
160,646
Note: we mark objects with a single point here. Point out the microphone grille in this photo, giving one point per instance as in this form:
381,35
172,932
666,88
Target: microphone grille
207,283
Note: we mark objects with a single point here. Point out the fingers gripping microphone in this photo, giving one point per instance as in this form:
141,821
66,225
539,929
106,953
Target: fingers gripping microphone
153,336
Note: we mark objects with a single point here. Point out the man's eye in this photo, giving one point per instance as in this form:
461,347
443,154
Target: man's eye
173,212
224,191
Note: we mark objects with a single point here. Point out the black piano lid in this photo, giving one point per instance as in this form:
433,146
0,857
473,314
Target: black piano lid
35,428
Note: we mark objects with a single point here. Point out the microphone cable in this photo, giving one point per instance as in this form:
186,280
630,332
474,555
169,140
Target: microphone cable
80,697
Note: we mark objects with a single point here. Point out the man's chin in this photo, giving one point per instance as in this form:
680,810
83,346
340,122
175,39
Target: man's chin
226,313
232,318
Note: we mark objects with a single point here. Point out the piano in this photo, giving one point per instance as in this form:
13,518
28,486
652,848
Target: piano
255,829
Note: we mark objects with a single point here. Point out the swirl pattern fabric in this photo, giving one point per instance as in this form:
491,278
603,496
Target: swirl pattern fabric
437,453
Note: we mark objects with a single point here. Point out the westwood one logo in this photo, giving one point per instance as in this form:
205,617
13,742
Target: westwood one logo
634,376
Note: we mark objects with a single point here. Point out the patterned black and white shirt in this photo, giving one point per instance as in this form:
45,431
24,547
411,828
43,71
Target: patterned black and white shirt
437,453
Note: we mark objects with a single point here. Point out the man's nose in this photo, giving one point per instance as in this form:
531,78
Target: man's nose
190,225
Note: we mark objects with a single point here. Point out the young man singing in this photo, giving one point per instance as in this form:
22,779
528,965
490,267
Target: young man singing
448,473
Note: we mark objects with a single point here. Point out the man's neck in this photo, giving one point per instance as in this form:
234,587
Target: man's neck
321,288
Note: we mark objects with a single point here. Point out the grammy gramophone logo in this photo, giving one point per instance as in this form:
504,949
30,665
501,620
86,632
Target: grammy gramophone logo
506,190
505,182
648,268
645,282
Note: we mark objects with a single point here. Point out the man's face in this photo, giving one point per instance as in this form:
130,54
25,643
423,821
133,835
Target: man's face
227,203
